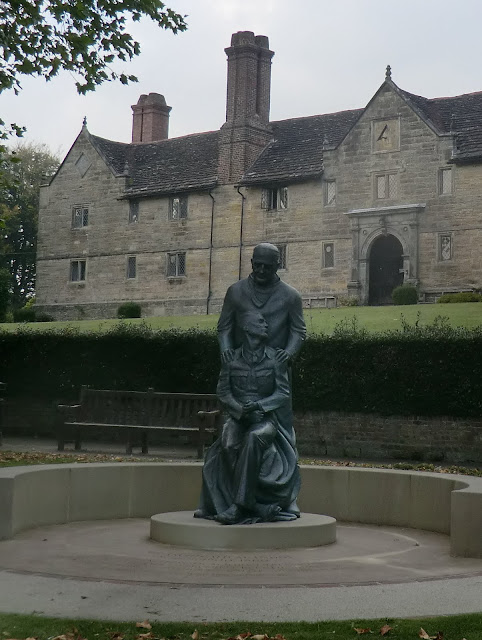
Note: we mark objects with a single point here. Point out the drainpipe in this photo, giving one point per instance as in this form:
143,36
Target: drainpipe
208,299
241,232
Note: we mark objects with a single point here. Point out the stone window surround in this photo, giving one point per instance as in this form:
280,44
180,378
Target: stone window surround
275,198
80,213
327,247
133,211
178,208
283,256
441,185
78,271
389,187
131,268
179,265
440,249
329,183
366,225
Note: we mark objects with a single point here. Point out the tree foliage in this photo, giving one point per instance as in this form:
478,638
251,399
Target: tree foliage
84,37
19,204
42,37
4,293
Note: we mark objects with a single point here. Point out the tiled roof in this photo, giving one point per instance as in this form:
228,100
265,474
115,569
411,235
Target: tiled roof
295,152
461,115
167,166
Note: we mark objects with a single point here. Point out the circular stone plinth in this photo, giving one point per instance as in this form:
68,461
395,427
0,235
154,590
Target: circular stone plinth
182,529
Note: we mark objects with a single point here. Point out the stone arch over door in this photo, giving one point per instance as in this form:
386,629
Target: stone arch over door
366,226
385,268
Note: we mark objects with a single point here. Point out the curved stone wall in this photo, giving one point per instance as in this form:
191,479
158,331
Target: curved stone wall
53,494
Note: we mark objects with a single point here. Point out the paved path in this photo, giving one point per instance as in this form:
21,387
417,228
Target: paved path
112,570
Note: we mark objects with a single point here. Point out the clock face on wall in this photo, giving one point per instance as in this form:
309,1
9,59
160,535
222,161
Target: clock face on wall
386,135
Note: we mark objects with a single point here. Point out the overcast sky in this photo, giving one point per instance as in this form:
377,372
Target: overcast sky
329,56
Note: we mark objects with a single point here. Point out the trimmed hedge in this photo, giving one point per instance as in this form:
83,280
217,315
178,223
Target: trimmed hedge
435,370
463,296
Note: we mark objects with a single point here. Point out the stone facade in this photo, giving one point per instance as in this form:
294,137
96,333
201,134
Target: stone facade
360,201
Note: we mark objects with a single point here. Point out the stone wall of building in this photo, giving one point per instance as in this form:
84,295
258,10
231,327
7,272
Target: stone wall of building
224,224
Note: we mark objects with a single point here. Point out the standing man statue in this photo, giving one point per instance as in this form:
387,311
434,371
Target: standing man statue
251,472
263,291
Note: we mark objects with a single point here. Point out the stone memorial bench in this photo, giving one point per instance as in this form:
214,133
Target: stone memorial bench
194,416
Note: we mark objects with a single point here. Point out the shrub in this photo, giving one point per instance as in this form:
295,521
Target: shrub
405,294
25,314
43,317
129,310
347,301
465,296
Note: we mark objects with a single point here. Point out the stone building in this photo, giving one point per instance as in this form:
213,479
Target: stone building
358,202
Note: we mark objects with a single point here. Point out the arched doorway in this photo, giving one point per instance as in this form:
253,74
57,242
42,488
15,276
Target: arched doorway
385,269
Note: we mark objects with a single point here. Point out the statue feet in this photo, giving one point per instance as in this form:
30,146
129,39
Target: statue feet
232,515
285,516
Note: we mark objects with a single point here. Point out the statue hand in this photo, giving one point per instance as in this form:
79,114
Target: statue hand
256,416
250,406
227,356
282,355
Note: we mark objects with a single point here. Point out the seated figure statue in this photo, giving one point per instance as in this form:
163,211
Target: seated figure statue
251,472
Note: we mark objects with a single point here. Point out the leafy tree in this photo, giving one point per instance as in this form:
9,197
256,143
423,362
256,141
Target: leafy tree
4,293
43,37
19,203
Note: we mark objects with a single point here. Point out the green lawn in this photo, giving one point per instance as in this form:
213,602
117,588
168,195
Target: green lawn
317,320
468,627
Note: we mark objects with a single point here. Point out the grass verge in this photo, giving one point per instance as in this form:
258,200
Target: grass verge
15,458
468,627
373,319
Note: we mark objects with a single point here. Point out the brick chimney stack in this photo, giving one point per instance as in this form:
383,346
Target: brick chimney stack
246,131
150,118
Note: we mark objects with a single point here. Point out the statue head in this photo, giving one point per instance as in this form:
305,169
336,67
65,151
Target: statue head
255,325
265,263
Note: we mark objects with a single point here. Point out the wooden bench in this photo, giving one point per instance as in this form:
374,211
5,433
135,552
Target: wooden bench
194,415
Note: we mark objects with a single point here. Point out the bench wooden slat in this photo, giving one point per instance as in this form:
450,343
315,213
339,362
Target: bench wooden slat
142,411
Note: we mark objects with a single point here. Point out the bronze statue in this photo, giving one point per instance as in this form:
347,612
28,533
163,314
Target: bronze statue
251,472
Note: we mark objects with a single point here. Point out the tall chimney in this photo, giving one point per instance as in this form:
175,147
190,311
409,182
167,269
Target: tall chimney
150,118
246,130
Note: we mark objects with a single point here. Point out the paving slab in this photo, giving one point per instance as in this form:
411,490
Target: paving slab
112,570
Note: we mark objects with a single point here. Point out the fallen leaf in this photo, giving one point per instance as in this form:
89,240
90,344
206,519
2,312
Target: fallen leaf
385,629
260,636
145,636
195,635
439,636
362,631
116,635
423,634
143,625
